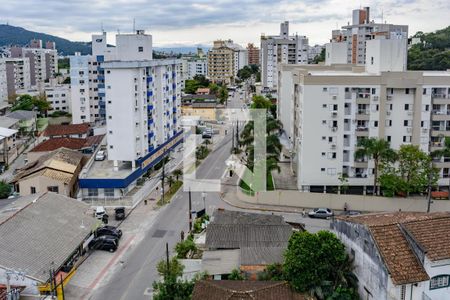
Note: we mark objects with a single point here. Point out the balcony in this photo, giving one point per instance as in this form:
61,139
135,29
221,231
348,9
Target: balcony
363,114
362,131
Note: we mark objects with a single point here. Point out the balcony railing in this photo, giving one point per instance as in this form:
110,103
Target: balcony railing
439,95
363,112
439,128
362,128
441,112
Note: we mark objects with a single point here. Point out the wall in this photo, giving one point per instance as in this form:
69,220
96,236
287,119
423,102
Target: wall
41,183
31,285
335,53
337,202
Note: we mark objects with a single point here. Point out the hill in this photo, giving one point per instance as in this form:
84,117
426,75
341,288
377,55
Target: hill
12,35
433,53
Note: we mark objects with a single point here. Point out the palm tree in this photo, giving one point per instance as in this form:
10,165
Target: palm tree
177,173
444,152
170,181
206,142
378,150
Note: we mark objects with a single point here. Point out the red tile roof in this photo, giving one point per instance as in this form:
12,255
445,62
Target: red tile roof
94,140
61,130
56,143
431,231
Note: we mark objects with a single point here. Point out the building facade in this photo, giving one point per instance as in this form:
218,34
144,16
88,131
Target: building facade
225,59
284,49
17,74
253,54
348,45
198,66
325,111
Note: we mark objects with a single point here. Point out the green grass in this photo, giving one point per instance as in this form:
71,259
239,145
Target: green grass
42,123
269,185
169,194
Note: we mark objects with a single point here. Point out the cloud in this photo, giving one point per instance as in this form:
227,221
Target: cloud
184,20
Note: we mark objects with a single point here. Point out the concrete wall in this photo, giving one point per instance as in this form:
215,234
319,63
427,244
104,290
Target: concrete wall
337,202
41,183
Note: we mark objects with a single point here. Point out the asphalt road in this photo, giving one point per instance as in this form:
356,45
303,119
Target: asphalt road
134,280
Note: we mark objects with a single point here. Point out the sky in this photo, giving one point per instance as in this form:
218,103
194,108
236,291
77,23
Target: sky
176,23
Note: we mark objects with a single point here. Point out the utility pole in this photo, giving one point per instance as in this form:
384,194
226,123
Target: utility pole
61,282
429,188
162,178
167,260
190,210
232,139
237,133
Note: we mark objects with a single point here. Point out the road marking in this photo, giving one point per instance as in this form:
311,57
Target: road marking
112,261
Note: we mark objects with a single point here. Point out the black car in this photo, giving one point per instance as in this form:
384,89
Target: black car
104,242
108,230
120,213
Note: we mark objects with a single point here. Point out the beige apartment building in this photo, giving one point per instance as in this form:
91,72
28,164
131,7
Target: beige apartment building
221,63
326,110
253,54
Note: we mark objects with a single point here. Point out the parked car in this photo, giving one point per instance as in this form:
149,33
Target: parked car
322,213
101,155
99,212
207,135
352,212
104,242
119,213
108,231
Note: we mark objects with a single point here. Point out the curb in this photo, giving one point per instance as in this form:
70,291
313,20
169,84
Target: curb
293,210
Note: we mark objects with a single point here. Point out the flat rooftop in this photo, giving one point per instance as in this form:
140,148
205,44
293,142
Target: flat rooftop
105,169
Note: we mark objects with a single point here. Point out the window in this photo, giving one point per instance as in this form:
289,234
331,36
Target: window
324,89
406,91
53,189
324,121
406,106
324,106
407,139
108,192
33,190
371,60
375,123
403,292
324,138
424,91
405,123
388,138
111,147
322,169
331,171
323,153
440,281
92,192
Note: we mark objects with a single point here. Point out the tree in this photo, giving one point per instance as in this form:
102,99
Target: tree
444,152
376,149
177,173
222,94
320,57
170,181
412,172
318,264
272,272
27,102
175,268
184,247
5,189
235,275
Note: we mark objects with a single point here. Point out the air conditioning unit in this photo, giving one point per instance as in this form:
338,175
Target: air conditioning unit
409,129
389,98
388,113
334,97
424,130
375,98
333,146
334,129
410,113
334,114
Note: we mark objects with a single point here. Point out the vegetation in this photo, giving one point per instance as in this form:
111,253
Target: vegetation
444,152
197,228
432,53
59,113
64,63
201,152
247,71
235,275
172,190
377,150
320,57
272,272
199,81
27,102
318,264
172,287
185,247
222,94
5,189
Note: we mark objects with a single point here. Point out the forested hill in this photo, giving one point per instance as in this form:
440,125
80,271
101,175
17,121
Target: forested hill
433,53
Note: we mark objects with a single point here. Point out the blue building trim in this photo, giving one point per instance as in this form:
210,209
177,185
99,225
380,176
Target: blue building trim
119,183
100,58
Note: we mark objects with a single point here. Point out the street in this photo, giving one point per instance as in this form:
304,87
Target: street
133,280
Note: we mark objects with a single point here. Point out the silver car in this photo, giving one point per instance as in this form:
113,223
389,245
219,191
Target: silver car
322,213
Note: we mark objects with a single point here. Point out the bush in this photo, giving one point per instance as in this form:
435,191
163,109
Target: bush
184,247
5,190
235,275
198,223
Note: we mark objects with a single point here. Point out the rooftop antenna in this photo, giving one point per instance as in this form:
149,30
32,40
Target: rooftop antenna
101,27
382,16
134,25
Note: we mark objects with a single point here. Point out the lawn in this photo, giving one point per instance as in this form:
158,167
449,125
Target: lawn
172,190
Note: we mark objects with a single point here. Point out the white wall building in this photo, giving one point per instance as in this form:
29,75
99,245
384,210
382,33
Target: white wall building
17,74
3,82
326,110
198,66
284,49
349,44
398,256
59,97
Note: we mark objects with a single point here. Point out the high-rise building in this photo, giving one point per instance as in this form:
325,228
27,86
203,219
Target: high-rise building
225,59
326,110
143,99
3,82
17,74
87,79
282,48
348,45
253,54
43,61
197,66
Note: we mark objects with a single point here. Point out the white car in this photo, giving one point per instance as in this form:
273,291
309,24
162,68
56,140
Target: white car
100,211
101,155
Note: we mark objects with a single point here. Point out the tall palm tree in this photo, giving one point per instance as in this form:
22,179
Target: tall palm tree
377,150
177,173
444,152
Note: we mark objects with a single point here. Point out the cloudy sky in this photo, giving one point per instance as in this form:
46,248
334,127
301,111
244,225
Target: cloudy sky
185,22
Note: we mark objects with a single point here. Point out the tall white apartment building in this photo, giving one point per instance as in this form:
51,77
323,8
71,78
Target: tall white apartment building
143,98
325,110
348,45
87,80
281,49
43,61
197,66
17,74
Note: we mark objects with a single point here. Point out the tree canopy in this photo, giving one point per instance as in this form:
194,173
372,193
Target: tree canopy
432,53
27,102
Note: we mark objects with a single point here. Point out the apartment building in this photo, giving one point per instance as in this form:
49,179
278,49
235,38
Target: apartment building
225,59
143,98
43,61
3,82
59,97
253,54
87,79
325,110
348,45
281,49
198,66
18,74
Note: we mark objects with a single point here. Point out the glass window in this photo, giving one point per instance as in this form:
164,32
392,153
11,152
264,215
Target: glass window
92,192
440,281
53,189
109,192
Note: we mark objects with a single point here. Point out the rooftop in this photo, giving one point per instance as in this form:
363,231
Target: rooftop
397,234
7,122
60,130
56,143
43,234
220,261
22,115
236,289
